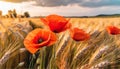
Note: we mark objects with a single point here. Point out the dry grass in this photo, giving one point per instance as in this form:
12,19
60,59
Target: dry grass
100,52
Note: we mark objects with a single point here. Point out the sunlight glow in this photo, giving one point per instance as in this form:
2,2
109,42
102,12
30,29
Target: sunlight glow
5,6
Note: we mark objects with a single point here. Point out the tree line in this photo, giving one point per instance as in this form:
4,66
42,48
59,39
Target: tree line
14,14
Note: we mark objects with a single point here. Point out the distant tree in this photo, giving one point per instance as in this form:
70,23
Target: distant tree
14,13
26,14
9,13
22,16
0,13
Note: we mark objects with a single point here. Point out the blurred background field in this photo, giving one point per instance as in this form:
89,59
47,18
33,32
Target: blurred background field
76,21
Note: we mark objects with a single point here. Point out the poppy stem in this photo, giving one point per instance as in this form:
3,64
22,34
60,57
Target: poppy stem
33,60
31,65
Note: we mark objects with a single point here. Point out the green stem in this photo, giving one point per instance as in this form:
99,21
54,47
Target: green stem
32,62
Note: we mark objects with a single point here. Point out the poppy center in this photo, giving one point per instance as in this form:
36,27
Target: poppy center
40,40
55,31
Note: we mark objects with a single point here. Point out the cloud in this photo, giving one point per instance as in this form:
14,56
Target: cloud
85,3
16,1
72,10
77,9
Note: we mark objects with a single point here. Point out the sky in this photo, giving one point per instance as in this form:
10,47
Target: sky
62,7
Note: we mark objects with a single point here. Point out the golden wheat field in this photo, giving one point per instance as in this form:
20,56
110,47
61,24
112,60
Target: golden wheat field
101,51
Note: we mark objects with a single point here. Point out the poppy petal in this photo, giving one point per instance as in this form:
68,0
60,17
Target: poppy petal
31,41
79,34
113,30
30,47
56,23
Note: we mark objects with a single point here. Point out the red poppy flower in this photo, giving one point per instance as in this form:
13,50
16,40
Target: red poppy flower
56,23
79,35
113,30
39,38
